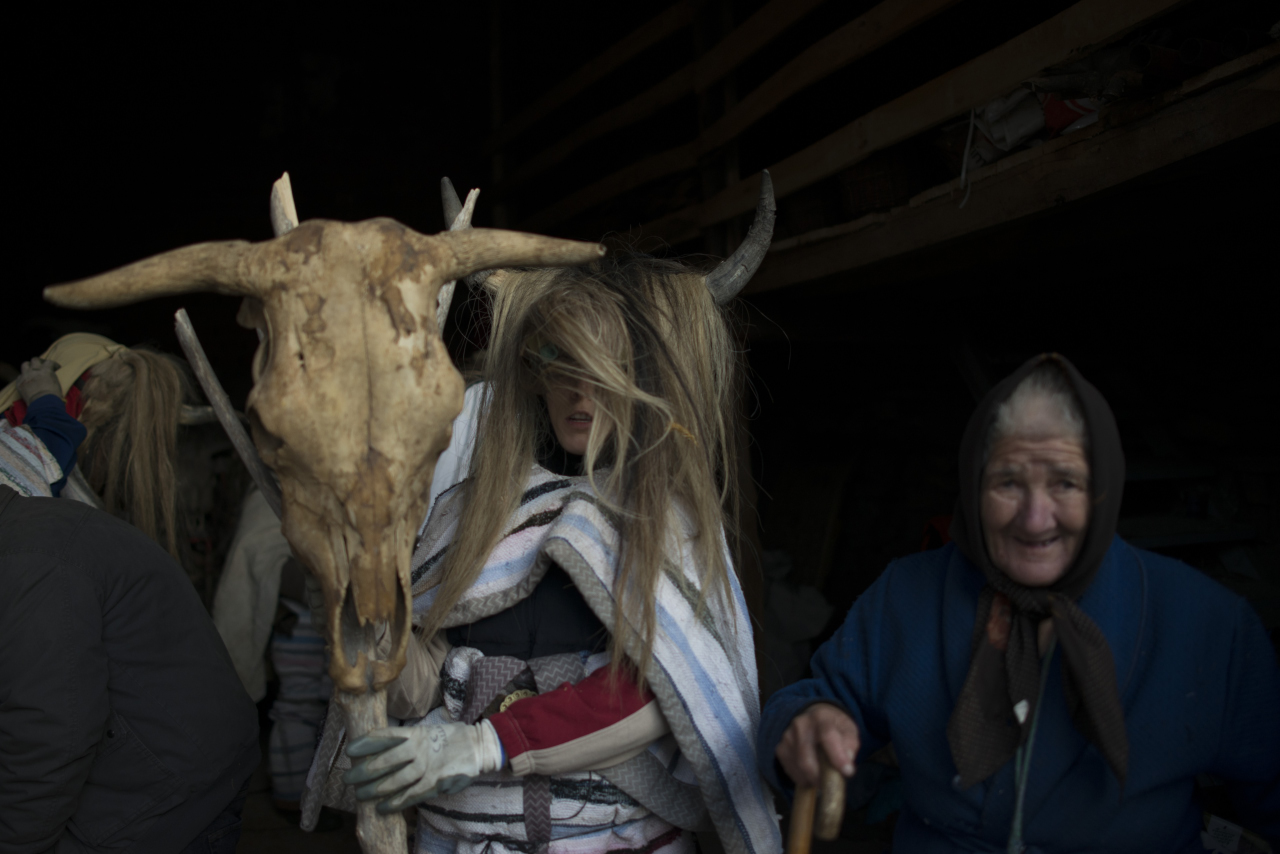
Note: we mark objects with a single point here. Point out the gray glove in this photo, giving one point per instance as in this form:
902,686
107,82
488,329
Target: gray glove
403,766
38,379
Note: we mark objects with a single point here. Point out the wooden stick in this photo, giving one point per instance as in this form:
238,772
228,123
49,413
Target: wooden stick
226,414
827,800
378,834
802,808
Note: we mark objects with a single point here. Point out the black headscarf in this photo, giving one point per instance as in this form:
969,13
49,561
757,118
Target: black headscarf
984,732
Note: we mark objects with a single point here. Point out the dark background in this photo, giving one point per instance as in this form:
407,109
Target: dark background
134,133
131,133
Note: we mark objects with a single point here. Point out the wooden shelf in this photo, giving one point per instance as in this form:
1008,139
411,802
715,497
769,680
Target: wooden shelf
1071,34
1129,140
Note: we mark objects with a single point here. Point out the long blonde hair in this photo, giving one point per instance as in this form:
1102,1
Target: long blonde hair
659,358
132,404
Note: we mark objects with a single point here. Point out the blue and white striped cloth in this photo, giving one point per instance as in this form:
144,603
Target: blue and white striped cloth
703,668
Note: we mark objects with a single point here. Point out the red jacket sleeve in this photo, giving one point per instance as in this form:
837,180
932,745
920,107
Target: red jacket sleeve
569,712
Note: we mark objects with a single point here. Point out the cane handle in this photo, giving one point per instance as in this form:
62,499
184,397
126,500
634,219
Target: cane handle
830,803
827,801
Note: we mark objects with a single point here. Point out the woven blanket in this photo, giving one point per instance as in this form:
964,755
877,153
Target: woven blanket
703,668
25,463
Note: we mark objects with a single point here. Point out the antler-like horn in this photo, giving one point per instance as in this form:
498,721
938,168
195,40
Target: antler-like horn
733,273
284,213
218,267
452,204
458,216
462,214
488,248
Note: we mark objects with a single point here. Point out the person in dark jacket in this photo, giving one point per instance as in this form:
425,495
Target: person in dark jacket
1046,686
123,725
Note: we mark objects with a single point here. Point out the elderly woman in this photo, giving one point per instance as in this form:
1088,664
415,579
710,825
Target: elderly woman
1046,685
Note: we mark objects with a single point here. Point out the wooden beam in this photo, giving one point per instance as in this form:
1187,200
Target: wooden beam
1066,169
1066,36
877,27
753,34
671,21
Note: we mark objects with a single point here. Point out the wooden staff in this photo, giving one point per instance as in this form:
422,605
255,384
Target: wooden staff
827,800
221,404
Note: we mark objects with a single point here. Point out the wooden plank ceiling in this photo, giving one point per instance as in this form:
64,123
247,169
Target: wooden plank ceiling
1131,138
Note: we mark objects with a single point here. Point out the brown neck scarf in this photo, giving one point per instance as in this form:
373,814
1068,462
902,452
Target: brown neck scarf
985,729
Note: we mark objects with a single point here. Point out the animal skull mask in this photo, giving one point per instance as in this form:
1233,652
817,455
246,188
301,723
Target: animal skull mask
353,396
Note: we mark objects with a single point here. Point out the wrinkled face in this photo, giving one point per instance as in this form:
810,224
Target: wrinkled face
1035,506
353,399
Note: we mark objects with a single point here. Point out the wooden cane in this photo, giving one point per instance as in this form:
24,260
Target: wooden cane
827,800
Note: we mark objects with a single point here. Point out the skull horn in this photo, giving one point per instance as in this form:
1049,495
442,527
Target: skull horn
488,248
458,217
284,213
219,267
453,207
733,273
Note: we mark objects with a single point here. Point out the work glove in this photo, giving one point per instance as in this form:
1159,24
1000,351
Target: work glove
38,379
403,766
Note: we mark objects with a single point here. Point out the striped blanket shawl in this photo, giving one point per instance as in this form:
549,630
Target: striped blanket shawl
25,463
703,669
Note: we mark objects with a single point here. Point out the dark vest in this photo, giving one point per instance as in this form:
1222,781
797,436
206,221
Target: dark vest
553,619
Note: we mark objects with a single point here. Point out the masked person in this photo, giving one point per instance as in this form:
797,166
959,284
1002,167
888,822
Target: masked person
107,417
582,676
38,446
1046,686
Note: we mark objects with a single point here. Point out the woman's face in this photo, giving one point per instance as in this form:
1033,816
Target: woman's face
572,412
1035,507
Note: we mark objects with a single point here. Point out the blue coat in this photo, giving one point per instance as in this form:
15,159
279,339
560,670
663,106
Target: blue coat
1198,679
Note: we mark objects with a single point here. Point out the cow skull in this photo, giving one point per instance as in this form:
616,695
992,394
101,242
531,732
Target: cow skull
353,396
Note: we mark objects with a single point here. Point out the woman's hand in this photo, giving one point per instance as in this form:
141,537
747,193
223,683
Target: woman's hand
820,724
403,766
